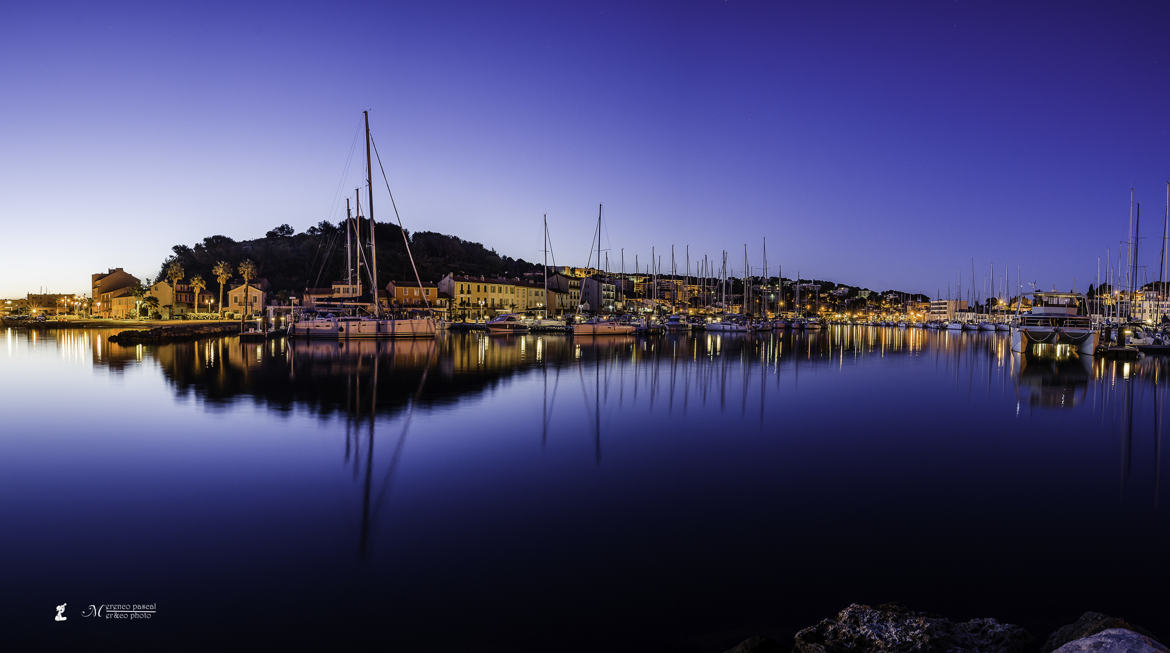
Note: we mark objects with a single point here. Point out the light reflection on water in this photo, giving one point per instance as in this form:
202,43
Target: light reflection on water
482,476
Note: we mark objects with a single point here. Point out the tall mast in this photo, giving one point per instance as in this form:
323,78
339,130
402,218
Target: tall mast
545,298
370,207
1137,224
1165,230
745,280
1129,241
348,251
359,254
764,287
599,249
622,293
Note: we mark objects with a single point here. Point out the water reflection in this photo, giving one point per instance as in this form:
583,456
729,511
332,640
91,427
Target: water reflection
733,374
491,470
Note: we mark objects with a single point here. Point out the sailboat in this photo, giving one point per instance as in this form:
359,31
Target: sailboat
366,327
544,322
597,326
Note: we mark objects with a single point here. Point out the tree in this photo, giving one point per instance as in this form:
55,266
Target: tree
247,270
151,303
139,293
282,231
175,274
223,273
198,284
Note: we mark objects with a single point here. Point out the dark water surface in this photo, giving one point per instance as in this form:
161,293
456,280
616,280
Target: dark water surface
544,493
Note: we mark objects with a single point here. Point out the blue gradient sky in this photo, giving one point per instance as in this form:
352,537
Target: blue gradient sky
878,145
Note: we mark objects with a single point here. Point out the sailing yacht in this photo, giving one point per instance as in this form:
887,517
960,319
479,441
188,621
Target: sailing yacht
598,326
363,327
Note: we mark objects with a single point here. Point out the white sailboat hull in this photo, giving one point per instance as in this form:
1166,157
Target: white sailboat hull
602,329
335,329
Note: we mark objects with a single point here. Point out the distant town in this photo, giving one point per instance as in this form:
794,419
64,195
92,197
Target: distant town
193,285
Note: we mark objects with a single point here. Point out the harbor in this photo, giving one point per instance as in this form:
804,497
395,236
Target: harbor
624,327
399,462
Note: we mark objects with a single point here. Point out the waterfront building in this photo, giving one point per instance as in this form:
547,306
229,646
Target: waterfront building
104,285
119,304
257,298
597,295
410,294
343,290
481,294
946,309
179,298
570,285
1151,306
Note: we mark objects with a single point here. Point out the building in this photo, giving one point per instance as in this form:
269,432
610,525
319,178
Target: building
49,303
570,286
598,295
120,304
103,285
257,298
482,295
179,298
1151,307
945,309
344,290
410,294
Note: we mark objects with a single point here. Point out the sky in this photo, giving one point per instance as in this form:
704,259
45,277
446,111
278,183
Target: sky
890,145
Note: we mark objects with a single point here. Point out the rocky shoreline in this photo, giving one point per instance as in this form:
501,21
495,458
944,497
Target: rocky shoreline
177,333
893,628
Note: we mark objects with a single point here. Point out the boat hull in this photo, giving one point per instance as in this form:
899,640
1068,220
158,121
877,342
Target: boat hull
602,329
1083,340
507,328
364,329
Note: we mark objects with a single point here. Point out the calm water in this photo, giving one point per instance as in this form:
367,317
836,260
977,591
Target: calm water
543,493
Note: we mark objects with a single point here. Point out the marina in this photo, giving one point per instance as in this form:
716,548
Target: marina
681,463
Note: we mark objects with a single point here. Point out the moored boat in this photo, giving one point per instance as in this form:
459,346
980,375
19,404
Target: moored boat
601,327
507,323
1055,319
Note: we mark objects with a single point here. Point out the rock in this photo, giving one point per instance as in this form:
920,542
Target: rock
1114,640
176,333
1089,623
757,644
897,629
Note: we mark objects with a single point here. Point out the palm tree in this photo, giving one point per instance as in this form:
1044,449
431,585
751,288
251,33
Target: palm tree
198,284
223,273
175,274
140,291
247,270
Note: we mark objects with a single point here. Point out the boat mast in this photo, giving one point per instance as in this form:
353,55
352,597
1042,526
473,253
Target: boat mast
370,207
653,280
348,253
1137,224
1162,268
746,269
597,276
1129,244
764,286
545,298
622,285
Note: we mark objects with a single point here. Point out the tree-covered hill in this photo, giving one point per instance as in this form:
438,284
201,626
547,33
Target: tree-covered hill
292,262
